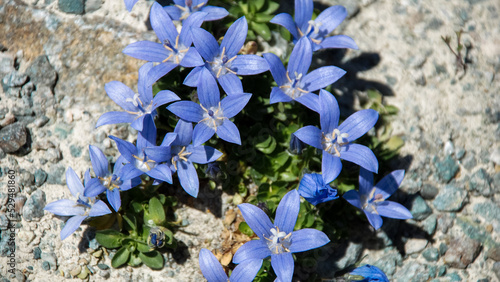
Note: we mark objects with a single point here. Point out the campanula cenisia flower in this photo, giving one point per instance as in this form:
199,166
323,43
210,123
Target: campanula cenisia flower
137,106
213,271
223,61
184,154
295,83
372,199
129,4
336,140
316,30
111,182
369,273
78,209
182,9
174,48
278,239
212,114
314,190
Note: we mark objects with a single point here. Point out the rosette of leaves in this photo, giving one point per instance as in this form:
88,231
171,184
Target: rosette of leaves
258,14
132,243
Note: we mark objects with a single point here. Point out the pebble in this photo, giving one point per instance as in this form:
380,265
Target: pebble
72,6
34,206
428,191
8,119
13,79
105,273
494,253
480,182
41,121
26,236
75,151
441,270
388,262
4,221
40,177
6,62
75,271
46,265
13,137
419,208
449,149
454,277
490,211
341,257
419,78
496,269
450,198
429,224
92,5
469,162
431,254
42,73
495,156
412,272
415,245
461,252
53,155
446,169
37,253
102,266
416,62
444,222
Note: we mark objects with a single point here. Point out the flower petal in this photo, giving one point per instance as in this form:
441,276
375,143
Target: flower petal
145,90
203,154
286,21
365,181
126,148
129,171
231,83
251,250
193,21
93,188
162,24
246,271
301,57
188,177
249,65
99,208
208,91
214,13
211,267
193,77
184,131
330,18
352,196
158,154
233,104
374,219
147,137
322,77
357,124
164,97
159,71
161,172
339,41
74,183
65,207
119,93
173,12
360,155
228,131
205,43
329,111
283,266
202,133
114,198
72,225
330,167
370,273
310,135
187,110
235,37
390,183
258,221
307,239
277,95
147,51
115,117
99,161
276,68
129,4
303,13
309,100
192,59
287,211
393,210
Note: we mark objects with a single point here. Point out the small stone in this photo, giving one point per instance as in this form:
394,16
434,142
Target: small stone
495,156
37,253
461,252
13,79
444,222
454,277
75,271
45,266
34,206
391,80
480,182
490,211
412,272
416,62
447,169
51,259
40,177
92,5
459,153
72,6
93,244
431,254
496,269
41,121
449,149
6,62
13,137
450,198
494,253
53,155
428,191
56,175
9,119
415,245
419,208
429,224
441,271
99,136
103,266
26,236
105,273
419,78
469,162
75,151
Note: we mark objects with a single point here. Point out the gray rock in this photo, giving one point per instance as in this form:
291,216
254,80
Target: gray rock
92,5
496,182
41,72
444,222
431,254
461,252
416,62
434,24
476,231
429,224
33,208
54,155
442,248
454,277
46,265
415,245
460,153
480,182
56,175
412,272
13,137
495,156
75,151
494,253
446,169
470,161
6,63
388,262
37,253
496,269
43,99
450,198
51,259
419,208
428,191
490,211
441,270
41,121
4,222
13,79
40,177
72,6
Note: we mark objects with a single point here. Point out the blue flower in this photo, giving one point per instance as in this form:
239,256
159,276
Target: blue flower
182,9
295,83
146,157
212,114
316,30
369,273
129,4
174,48
372,199
78,209
336,140
223,61
213,271
184,155
278,239
315,191
137,106
111,182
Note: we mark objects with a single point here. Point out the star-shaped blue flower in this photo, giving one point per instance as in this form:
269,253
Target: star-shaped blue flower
174,48
314,190
369,273
183,9
223,61
278,239
129,4
184,154
316,30
212,114
372,199
111,182
137,106
78,209
213,271
336,140
295,83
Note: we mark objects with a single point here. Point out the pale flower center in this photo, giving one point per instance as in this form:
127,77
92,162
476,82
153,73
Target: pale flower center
370,203
279,242
136,101
222,64
144,164
293,87
333,142
213,117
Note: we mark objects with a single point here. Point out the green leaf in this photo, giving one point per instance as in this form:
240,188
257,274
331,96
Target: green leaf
261,29
263,18
109,238
156,211
121,257
131,223
279,160
245,229
267,146
394,143
271,7
142,247
288,177
137,207
134,259
152,259
258,4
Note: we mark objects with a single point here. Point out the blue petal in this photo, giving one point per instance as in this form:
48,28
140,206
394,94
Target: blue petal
233,104
129,184
193,77
164,97
161,172
321,77
214,13
330,167
99,161
159,71
359,123
145,90
258,221
251,250
74,183
235,37
169,139
246,271
370,273
203,154
188,177
393,210
129,171
147,137
126,148
283,266
184,132
201,134
187,110
360,155
210,267
329,111
352,196
390,183
287,212
98,209
228,131
365,182
287,22
307,239
129,4
277,95
173,12
147,51
231,84
158,154
114,198
93,188
374,219
208,91
330,18
192,59
310,135
249,65
138,123
309,100
301,58
65,207
205,43
303,13
276,67
309,184
72,225
339,41
193,21
115,117
162,24
119,93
